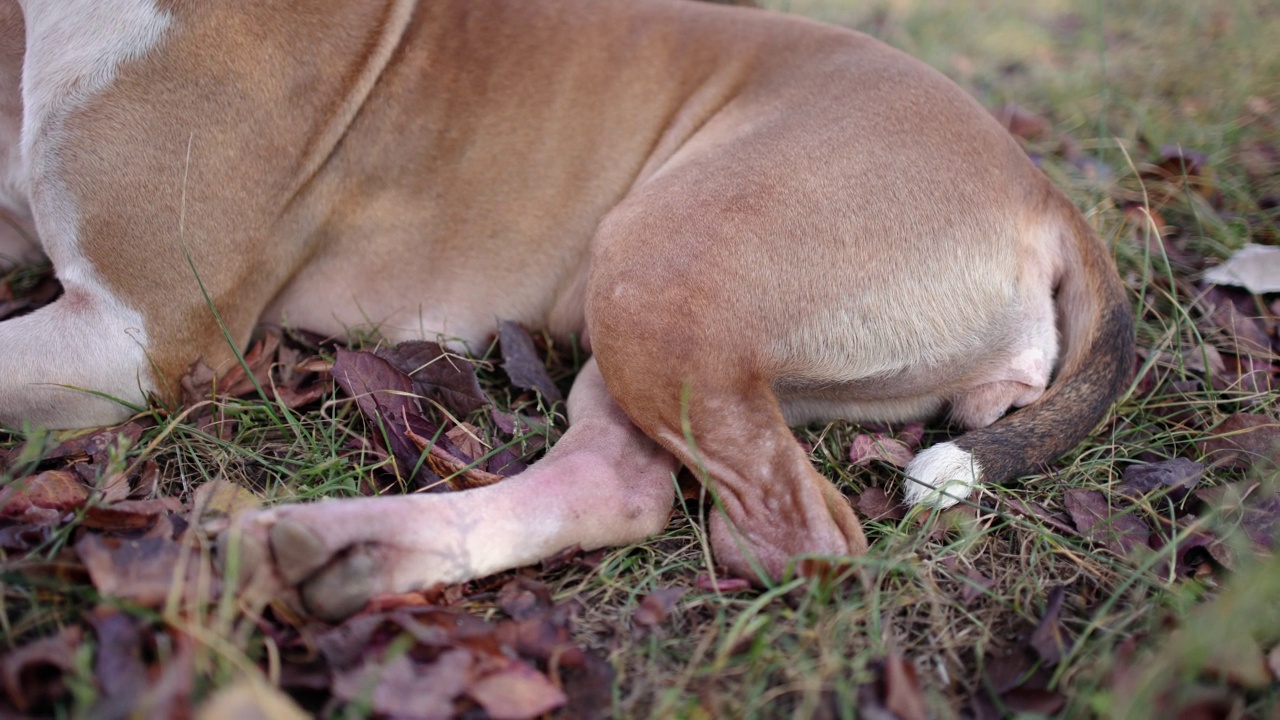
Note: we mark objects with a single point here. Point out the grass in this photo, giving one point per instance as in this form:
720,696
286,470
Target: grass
959,593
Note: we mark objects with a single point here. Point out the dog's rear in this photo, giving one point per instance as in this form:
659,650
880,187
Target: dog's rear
754,219
1097,333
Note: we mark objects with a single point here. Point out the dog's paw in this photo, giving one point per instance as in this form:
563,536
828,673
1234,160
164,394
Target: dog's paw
284,554
942,476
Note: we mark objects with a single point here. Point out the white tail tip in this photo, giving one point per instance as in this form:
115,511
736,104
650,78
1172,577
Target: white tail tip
942,476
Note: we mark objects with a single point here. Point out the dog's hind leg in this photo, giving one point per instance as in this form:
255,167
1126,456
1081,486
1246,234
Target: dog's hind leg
685,369
604,483
728,428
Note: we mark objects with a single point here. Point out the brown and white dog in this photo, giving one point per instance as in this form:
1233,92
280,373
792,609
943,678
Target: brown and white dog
751,220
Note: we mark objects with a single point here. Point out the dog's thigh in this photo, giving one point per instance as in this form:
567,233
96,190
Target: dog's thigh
679,315
604,483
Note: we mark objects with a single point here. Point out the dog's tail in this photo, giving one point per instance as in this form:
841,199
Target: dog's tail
1097,336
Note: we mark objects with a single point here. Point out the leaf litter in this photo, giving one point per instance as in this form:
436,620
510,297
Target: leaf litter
417,655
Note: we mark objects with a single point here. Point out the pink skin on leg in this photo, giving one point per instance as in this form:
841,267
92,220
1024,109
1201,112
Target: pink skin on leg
603,484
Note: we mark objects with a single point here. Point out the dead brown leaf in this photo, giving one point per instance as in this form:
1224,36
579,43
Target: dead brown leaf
523,598
33,674
129,514
1239,328
1099,522
440,376
250,700
53,490
1021,122
902,695
720,584
139,569
384,395
875,504
202,383
895,694
118,664
655,607
515,691
1242,440
170,693
866,448
401,687
1177,476
1036,701
1255,507
1039,513
1049,640
221,498
521,363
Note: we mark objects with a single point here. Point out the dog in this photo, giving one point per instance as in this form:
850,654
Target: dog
750,220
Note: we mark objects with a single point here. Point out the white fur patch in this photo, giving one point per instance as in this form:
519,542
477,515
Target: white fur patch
942,476
74,48
89,339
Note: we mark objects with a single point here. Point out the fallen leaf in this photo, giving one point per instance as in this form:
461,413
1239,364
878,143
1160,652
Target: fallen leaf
458,474
1193,549
901,687
403,688
1022,123
720,584
1253,506
516,692
976,585
1095,518
1049,639
1256,268
1039,513
384,395
250,700
24,537
129,514
866,448
93,446
466,438
911,435
1178,168
142,570
1007,671
118,665
875,504
112,488
523,598
1242,332
655,606
170,694
57,490
32,674
221,498
1242,440
521,363
440,376
202,383
1178,476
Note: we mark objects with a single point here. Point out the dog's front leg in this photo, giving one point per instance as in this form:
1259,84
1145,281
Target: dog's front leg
604,483
78,362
